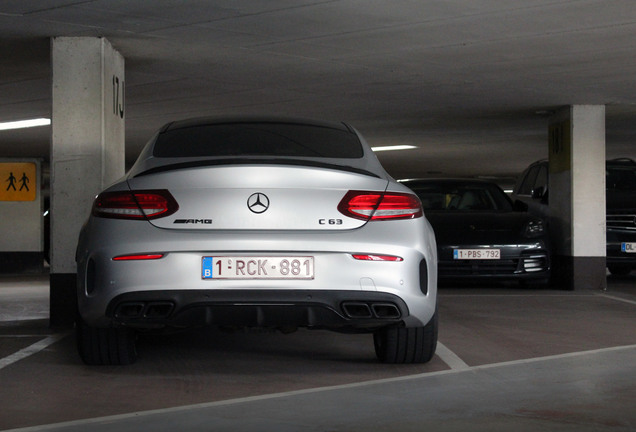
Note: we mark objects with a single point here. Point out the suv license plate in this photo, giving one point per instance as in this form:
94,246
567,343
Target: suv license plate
257,267
477,254
628,247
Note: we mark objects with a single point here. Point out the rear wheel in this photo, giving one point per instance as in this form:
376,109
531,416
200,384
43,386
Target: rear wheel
406,345
105,346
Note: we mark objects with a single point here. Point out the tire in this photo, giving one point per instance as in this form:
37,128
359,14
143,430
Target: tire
619,269
406,345
105,346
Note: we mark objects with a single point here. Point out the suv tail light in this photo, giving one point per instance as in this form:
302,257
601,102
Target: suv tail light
147,204
380,205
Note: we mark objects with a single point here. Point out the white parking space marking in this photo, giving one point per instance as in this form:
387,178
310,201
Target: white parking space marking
618,299
31,349
450,358
111,419
507,295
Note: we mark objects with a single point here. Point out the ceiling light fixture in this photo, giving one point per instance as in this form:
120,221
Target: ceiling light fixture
396,147
25,123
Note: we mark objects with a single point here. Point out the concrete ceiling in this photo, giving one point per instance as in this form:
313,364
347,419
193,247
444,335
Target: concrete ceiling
467,82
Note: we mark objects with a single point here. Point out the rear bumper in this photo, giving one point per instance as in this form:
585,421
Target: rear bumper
616,256
614,253
174,287
339,310
519,262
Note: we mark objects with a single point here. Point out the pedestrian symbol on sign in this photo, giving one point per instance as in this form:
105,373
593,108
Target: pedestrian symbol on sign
11,181
24,181
18,181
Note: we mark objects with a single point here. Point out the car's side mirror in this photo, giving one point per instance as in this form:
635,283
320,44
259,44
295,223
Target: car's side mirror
538,192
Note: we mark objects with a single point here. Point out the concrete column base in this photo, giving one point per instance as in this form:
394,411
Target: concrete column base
63,299
579,273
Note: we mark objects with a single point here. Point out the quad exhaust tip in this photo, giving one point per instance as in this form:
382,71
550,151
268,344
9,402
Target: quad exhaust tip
361,310
144,310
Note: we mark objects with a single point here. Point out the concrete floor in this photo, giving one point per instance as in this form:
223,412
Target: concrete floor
508,359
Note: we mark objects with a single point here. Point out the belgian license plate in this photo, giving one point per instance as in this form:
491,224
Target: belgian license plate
628,247
257,267
478,254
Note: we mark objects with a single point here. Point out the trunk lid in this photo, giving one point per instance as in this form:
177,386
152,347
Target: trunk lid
258,197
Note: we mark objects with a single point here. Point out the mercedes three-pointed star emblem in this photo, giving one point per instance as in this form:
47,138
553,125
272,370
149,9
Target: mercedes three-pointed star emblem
258,202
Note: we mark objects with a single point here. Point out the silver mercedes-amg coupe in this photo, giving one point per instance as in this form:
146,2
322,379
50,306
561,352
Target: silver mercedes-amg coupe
257,222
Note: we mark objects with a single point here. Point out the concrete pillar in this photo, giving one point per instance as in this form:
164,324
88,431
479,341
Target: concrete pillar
577,195
87,150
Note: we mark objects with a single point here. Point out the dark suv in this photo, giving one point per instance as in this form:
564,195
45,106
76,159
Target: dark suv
620,180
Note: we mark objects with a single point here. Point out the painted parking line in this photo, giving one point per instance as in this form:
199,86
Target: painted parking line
31,349
617,298
86,423
446,355
450,358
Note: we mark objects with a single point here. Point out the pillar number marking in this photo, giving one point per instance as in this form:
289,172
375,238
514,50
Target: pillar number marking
119,96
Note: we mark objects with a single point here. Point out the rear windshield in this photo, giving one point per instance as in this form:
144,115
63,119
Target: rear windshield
621,178
258,139
445,197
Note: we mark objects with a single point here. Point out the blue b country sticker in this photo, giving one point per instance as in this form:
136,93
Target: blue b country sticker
206,268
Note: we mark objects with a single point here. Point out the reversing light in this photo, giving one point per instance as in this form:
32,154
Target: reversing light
138,257
373,257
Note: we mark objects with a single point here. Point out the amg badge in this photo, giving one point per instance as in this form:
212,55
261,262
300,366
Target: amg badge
193,221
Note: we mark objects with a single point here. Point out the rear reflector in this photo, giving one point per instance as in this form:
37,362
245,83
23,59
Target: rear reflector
369,257
380,206
149,204
138,257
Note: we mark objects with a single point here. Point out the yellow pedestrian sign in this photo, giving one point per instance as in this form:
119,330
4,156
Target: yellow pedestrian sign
18,181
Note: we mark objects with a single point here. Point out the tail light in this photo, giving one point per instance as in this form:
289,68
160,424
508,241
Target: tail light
138,257
380,205
370,257
147,204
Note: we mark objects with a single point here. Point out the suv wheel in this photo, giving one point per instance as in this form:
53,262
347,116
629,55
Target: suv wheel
105,346
406,345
